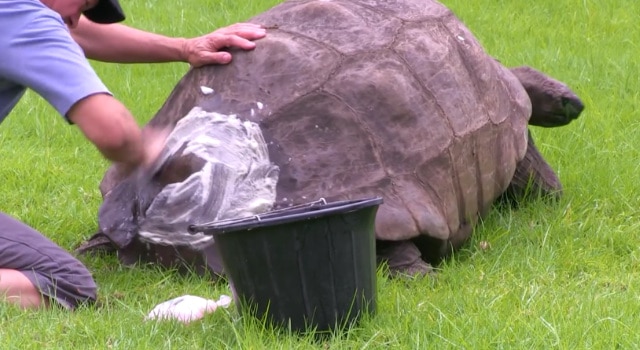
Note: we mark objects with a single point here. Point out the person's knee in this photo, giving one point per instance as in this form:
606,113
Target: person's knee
54,272
69,283
73,286
17,288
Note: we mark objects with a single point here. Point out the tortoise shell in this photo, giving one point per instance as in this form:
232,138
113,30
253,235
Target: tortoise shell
358,99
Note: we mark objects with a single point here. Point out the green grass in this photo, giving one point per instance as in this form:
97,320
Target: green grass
556,276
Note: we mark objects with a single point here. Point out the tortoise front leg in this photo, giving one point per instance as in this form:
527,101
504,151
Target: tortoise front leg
533,178
402,258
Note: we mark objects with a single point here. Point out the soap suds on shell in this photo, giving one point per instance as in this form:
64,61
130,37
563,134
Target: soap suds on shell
206,90
237,180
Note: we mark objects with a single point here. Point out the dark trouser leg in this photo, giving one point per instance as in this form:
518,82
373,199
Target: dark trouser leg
53,271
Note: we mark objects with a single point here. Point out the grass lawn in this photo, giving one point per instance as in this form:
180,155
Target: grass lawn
556,276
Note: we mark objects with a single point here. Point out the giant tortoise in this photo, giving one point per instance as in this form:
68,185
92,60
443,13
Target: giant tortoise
344,99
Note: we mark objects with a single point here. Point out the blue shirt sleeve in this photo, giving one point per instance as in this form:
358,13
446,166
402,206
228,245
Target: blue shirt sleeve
38,52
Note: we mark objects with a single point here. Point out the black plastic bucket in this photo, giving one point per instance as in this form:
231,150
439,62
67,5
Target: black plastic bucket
305,267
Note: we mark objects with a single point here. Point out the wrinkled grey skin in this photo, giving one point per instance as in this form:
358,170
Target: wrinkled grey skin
367,98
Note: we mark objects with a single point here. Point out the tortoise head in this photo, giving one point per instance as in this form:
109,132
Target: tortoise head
553,103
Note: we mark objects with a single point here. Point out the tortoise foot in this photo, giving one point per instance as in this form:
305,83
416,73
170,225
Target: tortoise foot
95,244
403,259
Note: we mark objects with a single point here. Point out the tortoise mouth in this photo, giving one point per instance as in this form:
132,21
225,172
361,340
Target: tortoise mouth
550,120
572,107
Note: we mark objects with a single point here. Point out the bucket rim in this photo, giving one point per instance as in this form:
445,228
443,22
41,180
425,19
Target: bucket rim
306,211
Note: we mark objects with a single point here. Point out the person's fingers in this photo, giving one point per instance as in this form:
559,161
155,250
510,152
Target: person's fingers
154,140
206,58
205,49
235,41
247,28
208,52
244,30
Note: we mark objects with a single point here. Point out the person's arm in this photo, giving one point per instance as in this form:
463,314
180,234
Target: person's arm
110,127
43,57
123,44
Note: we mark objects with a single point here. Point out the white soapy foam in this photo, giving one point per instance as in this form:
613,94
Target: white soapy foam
206,90
237,179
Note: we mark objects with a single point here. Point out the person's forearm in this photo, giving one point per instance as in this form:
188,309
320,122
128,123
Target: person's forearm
122,44
110,127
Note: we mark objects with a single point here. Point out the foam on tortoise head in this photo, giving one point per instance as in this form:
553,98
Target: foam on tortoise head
553,102
237,179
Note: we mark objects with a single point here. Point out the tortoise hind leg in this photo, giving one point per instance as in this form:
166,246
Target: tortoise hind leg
533,178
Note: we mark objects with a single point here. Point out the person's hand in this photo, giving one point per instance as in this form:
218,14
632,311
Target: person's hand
152,143
205,49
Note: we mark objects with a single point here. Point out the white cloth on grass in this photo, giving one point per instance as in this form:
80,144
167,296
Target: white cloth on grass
187,308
